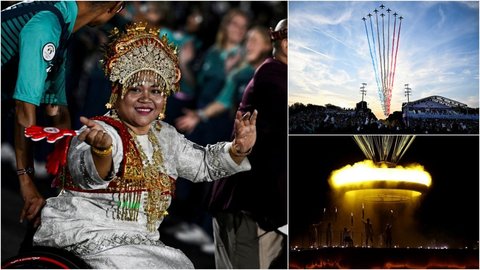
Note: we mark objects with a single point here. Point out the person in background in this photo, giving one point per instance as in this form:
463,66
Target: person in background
368,231
347,237
258,48
34,43
219,60
329,235
250,209
388,236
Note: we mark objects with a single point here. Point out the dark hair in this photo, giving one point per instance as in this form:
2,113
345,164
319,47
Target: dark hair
265,32
101,3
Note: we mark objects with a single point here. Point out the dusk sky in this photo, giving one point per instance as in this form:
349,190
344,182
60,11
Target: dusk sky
329,55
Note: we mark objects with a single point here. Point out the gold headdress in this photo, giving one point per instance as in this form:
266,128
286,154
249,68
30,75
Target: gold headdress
140,54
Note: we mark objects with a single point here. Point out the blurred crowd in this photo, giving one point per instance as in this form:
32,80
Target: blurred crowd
329,119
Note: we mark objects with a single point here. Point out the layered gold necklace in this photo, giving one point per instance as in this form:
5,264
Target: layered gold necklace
156,181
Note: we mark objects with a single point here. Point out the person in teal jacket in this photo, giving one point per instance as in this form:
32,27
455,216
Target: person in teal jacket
219,61
258,48
34,40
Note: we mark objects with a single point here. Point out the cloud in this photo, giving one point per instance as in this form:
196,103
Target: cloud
309,15
312,50
470,4
342,40
441,21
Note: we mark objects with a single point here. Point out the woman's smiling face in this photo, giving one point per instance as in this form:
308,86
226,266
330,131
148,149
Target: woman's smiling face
141,105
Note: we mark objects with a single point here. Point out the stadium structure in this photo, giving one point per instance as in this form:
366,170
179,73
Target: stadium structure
438,107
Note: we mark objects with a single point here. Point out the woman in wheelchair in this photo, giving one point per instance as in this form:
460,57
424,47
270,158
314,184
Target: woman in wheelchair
120,171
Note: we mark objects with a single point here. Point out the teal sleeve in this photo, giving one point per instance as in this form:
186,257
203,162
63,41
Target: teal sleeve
42,29
56,94
225,96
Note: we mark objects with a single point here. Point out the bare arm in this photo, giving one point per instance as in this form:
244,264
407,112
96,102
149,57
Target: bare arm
214,109
33,200
190,120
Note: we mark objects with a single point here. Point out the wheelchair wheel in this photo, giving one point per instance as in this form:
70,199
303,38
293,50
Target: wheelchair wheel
45,258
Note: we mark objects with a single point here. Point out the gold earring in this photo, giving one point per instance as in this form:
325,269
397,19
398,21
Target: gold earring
161,116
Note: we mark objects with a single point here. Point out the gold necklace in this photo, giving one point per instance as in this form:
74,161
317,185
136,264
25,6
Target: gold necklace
156,180
151,168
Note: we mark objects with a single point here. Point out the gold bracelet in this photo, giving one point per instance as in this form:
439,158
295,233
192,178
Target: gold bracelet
102,153
234,152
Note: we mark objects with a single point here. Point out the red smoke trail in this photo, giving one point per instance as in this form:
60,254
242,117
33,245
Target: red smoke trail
395,63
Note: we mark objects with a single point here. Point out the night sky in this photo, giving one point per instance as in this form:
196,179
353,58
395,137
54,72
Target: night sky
452,161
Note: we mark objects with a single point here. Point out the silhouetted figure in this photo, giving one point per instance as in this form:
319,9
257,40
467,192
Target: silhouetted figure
347,237
388,236
368,231
329,235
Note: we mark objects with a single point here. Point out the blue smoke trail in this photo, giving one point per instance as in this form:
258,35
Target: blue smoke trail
380,93
380,57
388,50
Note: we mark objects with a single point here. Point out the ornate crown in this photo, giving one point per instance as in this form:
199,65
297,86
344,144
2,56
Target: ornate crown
141,49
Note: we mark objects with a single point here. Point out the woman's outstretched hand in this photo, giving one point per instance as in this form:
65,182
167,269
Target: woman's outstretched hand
95,135
245,133
101,146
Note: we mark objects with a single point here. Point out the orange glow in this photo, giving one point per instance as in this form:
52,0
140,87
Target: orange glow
367,174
